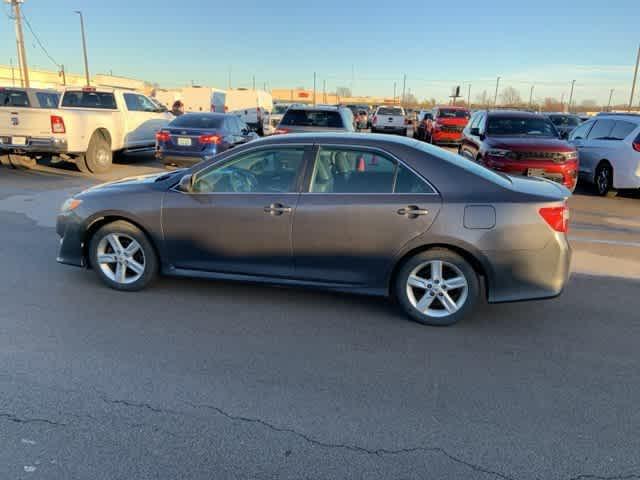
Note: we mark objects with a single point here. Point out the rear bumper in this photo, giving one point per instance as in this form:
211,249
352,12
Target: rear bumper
34,145
530,275
388,128
181,159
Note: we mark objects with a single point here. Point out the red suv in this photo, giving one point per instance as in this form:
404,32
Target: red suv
520,143
448,124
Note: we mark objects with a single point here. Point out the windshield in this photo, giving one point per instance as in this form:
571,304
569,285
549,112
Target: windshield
453,113
313,118
565,120
521,126
198,120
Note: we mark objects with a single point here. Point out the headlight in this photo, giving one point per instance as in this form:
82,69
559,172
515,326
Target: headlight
571,156
70,204
500,153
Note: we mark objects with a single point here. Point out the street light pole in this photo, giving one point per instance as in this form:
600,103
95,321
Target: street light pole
573,83
84,47
22,54
610,97
469,97
404,89
495,97
635,77
531,96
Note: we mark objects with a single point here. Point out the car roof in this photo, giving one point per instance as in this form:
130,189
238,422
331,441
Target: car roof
452,107
329,108
209,114
627,116
363,139
514,113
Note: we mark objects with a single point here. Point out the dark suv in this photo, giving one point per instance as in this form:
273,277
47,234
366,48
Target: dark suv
520,143
316,119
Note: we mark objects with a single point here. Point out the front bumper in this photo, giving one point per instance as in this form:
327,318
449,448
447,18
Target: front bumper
443,137
71,250
564,173
530,274
34,145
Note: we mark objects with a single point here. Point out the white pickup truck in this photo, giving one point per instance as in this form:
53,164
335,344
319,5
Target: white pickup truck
389,119
88,127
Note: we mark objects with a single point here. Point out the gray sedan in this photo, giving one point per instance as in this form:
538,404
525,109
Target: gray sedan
370,214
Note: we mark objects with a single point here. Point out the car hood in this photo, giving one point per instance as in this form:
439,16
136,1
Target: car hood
130,183
526,144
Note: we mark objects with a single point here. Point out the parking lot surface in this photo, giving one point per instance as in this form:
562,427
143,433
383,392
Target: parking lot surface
202,379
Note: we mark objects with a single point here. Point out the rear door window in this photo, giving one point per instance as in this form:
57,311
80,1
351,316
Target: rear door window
13,98
622,130
341,170
601,130
581,132
80,99
409,182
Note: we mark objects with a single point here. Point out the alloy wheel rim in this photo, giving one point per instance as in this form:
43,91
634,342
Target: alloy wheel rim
102,157
121,258
437,288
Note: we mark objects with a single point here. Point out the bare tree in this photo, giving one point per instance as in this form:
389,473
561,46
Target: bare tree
552,105
510,97
588,105
482,100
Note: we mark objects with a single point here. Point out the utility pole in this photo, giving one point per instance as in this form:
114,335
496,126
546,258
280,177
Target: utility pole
314,89
254,82
63,75
84,48
469,97
495,97
635,77
531,96
573,83
404,89
22,54
394,92
610,97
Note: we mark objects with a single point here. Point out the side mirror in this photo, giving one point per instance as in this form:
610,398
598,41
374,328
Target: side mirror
475,131
186,183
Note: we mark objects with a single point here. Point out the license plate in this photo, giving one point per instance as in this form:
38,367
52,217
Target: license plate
19,141
184,142
535,172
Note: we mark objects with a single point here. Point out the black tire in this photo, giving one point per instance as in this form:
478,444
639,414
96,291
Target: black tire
603,181
99,156
81,163
467,304
125,229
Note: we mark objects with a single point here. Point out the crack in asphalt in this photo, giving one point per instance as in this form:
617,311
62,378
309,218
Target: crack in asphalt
14,418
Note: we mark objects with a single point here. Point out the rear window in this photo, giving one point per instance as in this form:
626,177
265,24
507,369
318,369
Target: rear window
453,113
198,120
521,126
391,111
13,98
279,109
313,118
47,99
102,100
622,130
565,120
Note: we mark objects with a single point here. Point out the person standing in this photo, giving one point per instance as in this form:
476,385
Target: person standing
178,108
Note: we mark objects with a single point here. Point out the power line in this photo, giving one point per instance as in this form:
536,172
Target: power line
46,52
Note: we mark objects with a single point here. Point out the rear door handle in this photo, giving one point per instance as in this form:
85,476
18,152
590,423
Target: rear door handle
277,209
413,210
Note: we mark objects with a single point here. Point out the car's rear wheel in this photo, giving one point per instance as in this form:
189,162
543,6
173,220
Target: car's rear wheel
99,157
437,287
122,256
604,180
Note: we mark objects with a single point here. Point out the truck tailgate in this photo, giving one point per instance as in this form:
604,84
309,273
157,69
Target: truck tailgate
25,122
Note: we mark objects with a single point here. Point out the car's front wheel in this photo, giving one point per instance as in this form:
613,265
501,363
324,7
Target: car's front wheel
437,287
604,180
122,256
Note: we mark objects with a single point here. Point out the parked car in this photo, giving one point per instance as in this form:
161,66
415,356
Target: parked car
564,122
520,143
27,117
277,113
194,137
609,150
252,106
448,124
352,212
389,120
420,130
309,119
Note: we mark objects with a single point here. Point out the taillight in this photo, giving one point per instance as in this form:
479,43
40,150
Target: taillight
57,124
556,217
163,136
636,144
281,131
210,139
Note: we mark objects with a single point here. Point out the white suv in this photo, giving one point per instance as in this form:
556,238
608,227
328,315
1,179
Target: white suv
609,151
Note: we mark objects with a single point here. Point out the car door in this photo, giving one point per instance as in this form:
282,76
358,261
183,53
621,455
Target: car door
467,147
578,138
143,120
360,208
597,146
237,218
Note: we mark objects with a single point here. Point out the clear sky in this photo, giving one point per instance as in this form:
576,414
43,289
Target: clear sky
367,45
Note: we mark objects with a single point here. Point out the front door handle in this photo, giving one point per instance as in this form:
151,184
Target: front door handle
277,209
413,211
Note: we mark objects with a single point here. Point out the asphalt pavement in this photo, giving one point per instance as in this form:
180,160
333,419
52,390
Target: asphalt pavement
195,379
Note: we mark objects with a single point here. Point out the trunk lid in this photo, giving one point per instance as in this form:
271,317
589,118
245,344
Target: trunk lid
187,139
25,122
